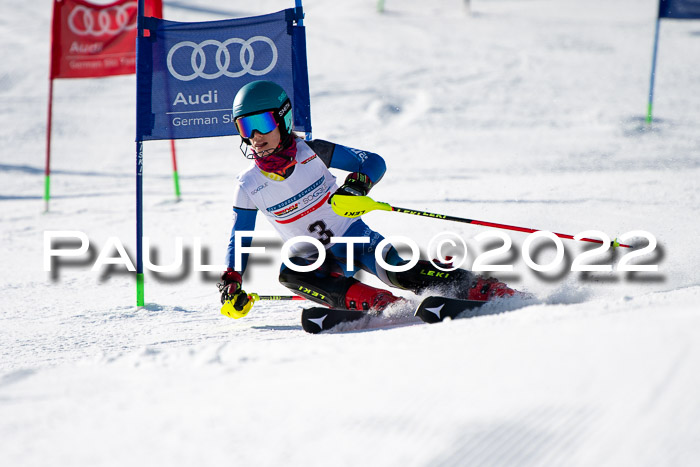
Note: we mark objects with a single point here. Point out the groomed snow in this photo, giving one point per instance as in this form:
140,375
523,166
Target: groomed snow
528,113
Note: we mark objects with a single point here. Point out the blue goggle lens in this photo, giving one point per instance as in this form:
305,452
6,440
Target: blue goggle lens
262,123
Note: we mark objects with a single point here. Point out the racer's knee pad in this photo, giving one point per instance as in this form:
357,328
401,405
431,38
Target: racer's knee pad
325,289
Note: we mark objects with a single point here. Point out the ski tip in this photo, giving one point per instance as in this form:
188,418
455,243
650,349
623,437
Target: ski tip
317,319
312,319
434,309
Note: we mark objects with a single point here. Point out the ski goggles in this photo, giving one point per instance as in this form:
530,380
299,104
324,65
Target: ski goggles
262,123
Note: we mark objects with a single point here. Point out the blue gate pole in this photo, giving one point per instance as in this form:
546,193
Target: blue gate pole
139,185
653,72
298,4
139,224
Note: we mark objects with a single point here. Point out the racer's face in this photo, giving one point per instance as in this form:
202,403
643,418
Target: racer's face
265,144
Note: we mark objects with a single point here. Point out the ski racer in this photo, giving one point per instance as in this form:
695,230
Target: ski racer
290,184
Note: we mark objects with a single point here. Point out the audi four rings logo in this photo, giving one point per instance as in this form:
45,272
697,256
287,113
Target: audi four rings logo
85,21
222,59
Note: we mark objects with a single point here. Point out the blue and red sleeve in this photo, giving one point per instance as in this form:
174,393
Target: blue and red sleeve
356,160
353,160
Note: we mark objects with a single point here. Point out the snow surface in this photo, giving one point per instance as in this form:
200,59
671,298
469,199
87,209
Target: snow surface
522,112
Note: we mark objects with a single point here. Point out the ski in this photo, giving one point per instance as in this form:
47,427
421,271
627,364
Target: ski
319,318
434,309
431,310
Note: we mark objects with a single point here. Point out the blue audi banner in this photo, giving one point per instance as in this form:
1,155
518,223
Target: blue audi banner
187,74
679,9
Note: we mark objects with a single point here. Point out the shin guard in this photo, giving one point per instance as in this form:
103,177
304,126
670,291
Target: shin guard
336,290
424,275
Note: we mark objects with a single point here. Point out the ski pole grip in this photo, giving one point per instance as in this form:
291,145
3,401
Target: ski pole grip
355,206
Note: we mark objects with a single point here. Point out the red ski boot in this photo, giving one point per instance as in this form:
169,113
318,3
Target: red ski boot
364,297
487,288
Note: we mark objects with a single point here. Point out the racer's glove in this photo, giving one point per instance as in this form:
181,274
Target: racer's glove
356,184
236,302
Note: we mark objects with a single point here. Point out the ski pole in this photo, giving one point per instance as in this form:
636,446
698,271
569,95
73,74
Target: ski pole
227,309
257,297
277,297
355,206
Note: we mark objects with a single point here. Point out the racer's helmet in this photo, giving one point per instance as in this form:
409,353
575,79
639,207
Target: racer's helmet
262,106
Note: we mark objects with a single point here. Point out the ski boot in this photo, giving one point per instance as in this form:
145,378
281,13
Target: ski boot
364,297
487,288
